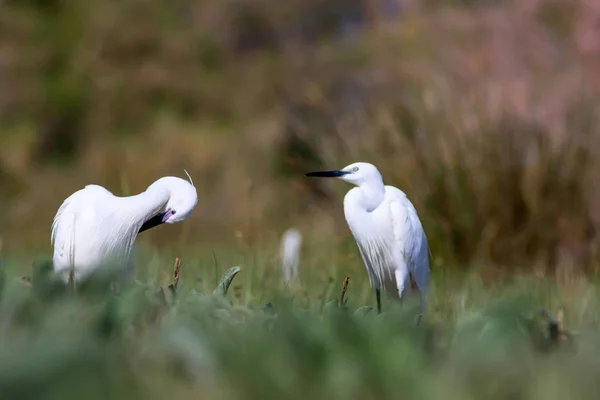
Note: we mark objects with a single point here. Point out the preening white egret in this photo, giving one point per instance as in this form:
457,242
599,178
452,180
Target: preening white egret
387,230
290,253
93,227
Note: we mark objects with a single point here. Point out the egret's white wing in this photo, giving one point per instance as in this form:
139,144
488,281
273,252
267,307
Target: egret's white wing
75,212
410,237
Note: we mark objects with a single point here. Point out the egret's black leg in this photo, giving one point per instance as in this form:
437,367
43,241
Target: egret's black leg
378,292
71,281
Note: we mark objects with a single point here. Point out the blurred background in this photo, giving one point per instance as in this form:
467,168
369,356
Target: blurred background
485,113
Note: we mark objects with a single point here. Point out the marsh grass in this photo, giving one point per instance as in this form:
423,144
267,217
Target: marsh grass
510,341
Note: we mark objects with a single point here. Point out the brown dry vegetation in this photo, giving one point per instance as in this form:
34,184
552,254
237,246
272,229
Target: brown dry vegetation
484,113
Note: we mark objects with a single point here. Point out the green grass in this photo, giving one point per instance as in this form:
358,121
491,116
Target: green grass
207,339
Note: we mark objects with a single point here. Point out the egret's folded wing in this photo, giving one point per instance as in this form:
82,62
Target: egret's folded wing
409,234
63,236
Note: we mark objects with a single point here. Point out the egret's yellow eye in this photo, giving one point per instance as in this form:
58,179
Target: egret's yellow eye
355,169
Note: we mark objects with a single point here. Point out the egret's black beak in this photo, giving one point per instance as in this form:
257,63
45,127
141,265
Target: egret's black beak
152,222
328,174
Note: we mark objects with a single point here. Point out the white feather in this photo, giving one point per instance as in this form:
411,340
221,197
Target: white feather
291,242
93,227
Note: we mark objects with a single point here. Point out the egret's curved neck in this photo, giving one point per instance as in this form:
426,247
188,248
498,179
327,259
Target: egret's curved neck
373,192
148,203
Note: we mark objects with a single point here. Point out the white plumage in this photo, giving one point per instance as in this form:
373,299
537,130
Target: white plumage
291,241
93,227
387,230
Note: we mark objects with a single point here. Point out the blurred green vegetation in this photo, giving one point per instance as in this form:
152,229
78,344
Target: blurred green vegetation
525,339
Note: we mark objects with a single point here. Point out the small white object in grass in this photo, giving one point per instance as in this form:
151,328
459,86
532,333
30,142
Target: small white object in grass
291,241
387,230
93,227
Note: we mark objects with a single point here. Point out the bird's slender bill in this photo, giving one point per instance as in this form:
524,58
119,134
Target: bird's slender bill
158,219
328,174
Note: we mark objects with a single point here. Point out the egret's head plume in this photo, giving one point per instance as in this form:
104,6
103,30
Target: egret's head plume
189,177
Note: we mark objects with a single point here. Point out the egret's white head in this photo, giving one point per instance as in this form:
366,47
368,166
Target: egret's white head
358,174
182,201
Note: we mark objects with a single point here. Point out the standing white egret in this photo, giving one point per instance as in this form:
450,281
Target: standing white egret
93,227
386,228
291,241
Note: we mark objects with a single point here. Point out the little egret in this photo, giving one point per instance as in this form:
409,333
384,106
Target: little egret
387,230
93,227
291,241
